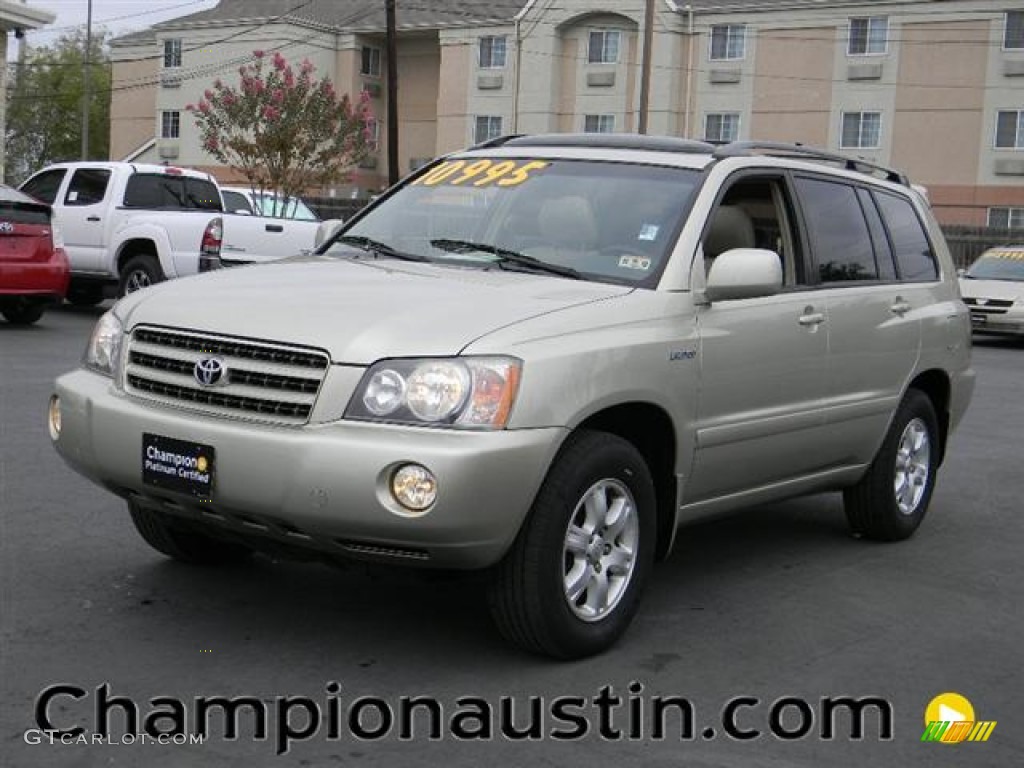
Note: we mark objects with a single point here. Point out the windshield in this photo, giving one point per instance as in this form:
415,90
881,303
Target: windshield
999,265
614,222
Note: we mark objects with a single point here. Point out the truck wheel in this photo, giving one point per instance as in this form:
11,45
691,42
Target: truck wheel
890,501
22,312
181,544
138,273
571,583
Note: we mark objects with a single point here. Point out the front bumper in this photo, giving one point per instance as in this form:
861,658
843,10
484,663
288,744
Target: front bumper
318,487
1008,323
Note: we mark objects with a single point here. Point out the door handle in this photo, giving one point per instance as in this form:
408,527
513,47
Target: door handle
900,306
275,228
811,318
92,218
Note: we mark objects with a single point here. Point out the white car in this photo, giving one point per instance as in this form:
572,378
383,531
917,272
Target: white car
993,289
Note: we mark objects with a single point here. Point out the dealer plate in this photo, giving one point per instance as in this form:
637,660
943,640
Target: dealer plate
178,465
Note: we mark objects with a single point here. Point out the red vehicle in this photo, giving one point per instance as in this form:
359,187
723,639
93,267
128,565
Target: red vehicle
34,270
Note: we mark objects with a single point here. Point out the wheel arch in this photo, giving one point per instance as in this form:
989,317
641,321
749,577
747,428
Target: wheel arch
935,384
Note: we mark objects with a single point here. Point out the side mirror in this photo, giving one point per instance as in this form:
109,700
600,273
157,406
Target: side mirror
961,272
327,230
744,273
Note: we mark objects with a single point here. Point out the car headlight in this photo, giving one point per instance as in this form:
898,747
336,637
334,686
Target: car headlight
464,393
104,347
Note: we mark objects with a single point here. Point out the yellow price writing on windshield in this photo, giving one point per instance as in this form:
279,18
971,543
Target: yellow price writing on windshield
480,173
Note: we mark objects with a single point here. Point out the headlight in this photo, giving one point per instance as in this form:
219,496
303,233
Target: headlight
105,345
464,393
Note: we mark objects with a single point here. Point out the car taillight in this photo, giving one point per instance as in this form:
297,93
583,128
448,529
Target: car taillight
209,250
56,235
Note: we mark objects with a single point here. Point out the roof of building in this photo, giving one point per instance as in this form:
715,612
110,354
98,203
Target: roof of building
342,15
18,16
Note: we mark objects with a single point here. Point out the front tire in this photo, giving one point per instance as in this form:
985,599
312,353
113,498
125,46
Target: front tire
890,501
139,272
571,583
22,312
181,544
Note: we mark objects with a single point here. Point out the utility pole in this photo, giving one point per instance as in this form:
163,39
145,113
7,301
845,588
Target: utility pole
392,46
86,83
645,66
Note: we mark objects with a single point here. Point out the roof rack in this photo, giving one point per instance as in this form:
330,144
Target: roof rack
497,141
612,141
779,149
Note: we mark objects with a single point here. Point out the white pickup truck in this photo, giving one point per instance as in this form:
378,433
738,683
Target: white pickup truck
127,225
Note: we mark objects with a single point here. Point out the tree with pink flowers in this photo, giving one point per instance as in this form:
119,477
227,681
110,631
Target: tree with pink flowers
284,131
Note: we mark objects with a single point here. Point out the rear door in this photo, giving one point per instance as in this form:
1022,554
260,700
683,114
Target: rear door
874,321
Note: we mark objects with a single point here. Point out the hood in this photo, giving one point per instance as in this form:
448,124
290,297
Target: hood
991,289
359,311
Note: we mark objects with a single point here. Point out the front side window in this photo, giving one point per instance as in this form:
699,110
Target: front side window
172,53
486,127
868,35
722,127
861,130
1010,129
88,186
370,64
1013,34
599,123
1006,218
492,52
910,243
610,222
44,186
170,125
837,230
604,47
728,42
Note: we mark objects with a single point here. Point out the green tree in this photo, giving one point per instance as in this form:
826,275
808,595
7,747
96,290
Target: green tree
44,106
284,132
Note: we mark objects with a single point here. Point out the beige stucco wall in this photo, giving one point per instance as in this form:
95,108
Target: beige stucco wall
786,106
452,99
133,102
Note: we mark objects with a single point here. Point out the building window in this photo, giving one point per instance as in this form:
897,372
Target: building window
373,134
172,53
492,52
170,125
1006,218
1013,33
728,42
1010,129
599,123
722,127
487,127
371,62
861,130
604,47
868,35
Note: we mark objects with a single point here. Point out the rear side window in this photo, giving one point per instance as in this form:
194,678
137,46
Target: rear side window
44,186
235,202
88,186
910,244
838,232
154,190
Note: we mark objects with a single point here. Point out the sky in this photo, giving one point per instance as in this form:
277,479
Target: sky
118,16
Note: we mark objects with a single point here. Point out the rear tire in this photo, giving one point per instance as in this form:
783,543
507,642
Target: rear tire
181,544
22,312
890,501
571,583
139,272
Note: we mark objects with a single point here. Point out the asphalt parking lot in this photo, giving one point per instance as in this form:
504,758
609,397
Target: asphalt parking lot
776,603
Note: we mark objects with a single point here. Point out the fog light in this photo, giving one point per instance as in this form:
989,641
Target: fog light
414,487
53,417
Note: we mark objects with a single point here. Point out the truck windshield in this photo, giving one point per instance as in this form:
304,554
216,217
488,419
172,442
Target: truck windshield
606,221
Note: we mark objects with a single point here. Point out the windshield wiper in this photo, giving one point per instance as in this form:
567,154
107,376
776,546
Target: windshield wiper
505,256
370,245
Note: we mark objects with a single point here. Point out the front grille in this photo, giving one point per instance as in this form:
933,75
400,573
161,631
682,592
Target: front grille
264,381
988,306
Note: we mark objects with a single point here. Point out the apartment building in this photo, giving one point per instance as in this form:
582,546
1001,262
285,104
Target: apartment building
934,87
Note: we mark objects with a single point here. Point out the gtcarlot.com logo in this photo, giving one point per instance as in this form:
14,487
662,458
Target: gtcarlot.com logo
949,719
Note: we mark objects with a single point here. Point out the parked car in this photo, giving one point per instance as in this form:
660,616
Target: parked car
288,226
33,268
541,357
993,289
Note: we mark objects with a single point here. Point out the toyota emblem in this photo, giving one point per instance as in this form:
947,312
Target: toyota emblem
210,371
6,227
